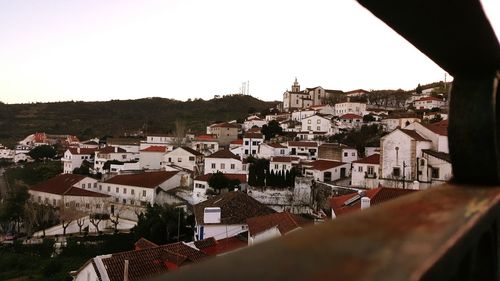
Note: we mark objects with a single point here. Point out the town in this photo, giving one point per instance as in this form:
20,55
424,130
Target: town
317,155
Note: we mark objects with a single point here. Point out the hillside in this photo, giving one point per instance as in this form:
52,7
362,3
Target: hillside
116,117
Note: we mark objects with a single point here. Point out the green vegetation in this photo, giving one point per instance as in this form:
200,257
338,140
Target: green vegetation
119,117
35,262
218,182
33,173
43,152
367,135
259,174
159,224
271,130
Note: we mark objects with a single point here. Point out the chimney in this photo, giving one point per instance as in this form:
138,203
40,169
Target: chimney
78,150
212,215
125,271
116,149
365,202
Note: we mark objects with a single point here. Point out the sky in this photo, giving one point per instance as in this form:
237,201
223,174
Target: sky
95,50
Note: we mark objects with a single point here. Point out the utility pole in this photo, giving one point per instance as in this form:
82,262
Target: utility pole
404,166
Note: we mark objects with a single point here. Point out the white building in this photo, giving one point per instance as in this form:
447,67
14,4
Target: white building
206,144
142,188
253,121
225,215
428,103
74,157
389,124
303,149
223,161
282,163
351,120
263,228
365,172
70,191
337,152
186,158
251,142
302,114
151,158
317,123
110,153
350,108
268,150
326,170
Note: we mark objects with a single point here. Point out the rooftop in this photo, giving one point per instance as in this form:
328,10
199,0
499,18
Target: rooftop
144,179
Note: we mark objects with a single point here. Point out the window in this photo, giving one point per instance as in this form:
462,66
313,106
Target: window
87,205
254,143
318,128
308,128
422,162
109,188
100,187
89,185
283,167
117,190
318,121
247,142
54,202
191,158
233,166
396,171
124,201
435,173
309,121
222,166
254,151
132,202
95,184
132,191
282,151
353,154
97,206
83,185
144,193
124,191
246,151
116,200
346,154
213,165
360,169
276,166
370,170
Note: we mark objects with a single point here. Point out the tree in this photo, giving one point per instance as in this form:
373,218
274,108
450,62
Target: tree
39,217
42,152
96,218
271,129
12,209
179,138
67,214
218,181
164,224
368,118
418,90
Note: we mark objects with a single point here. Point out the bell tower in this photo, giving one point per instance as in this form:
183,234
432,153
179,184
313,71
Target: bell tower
296,86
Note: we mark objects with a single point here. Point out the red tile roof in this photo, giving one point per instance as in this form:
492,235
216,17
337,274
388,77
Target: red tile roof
414,135
429,99
223,153
440,128
238,141
303,143
145,179
192,151
213,247
150,262
373,159
351,116
144,243
40,137
206,177
64,185
206,137
285,222
112,149
377,196
284,159
253,135
82,151
225,125
236,208
275,145
155,148
322,165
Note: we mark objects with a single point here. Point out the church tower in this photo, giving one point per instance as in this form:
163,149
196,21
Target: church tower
295,86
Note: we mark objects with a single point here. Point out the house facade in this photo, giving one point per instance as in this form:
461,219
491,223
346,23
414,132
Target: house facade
366,171
73,158
224,161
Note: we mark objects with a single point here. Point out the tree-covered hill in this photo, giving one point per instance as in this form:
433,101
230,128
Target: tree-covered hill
117,117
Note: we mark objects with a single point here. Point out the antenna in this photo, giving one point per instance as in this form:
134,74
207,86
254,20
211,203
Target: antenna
248,88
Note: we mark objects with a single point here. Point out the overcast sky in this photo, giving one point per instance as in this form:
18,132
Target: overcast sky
126,49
